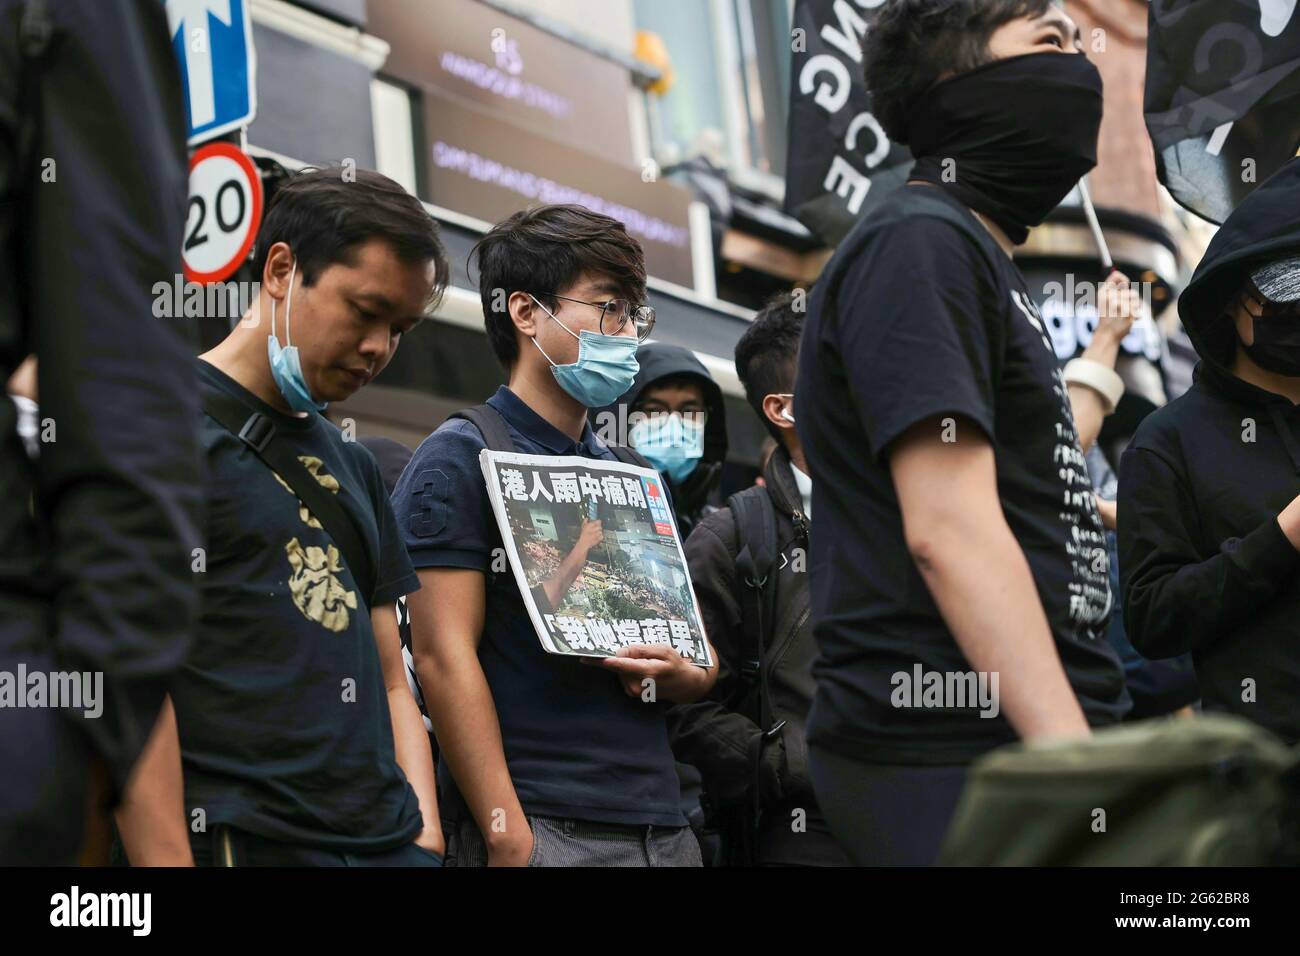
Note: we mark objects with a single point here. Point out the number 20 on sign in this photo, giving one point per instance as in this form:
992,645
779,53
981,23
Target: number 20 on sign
225,210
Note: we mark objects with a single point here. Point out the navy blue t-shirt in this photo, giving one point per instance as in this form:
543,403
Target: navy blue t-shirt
281,705
576,745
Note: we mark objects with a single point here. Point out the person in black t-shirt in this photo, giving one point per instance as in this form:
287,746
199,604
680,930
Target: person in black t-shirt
958,572
300,740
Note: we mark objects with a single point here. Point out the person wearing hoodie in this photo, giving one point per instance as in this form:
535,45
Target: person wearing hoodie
674,416
758,782
1209,490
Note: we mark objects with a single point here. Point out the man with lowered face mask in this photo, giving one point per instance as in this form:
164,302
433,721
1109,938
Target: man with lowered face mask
1209,489
958,574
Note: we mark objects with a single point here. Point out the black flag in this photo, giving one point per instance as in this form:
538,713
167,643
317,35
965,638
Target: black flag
839,164
1222,96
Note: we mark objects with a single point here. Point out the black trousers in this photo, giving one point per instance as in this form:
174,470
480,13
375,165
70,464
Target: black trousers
223,845
884,815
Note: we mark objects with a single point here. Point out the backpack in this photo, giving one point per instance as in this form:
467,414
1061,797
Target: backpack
1206,791
756,537
497,437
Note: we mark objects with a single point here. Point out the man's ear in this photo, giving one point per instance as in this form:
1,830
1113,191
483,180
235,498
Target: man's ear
278,268
772,407
523,312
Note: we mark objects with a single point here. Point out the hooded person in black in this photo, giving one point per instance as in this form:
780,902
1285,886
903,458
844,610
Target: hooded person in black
1209,513
687,448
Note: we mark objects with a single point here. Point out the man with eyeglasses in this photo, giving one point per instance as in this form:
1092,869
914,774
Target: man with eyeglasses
1209,488
553,761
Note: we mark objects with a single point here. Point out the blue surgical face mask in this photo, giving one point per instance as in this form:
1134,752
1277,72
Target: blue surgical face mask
286,367
605,368
671,443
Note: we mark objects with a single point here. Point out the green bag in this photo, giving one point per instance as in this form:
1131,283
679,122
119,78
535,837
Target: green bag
1206,791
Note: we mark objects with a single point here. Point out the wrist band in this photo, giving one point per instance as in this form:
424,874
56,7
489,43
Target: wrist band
1102,380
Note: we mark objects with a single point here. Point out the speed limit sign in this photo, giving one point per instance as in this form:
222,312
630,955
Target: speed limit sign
225,210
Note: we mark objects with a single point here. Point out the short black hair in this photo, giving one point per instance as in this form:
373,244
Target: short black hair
543,250
911,43
324,214
768,352
676,380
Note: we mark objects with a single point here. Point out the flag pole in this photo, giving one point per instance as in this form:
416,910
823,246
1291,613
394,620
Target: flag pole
1090,213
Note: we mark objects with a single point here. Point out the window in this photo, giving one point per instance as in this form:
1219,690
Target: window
732,64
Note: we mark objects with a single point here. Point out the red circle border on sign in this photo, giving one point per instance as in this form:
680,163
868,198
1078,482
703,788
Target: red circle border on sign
233,152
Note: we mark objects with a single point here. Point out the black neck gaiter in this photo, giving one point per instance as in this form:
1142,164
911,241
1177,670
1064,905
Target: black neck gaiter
1019,132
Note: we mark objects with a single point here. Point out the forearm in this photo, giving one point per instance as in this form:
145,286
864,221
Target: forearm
1180,591
717,741
464,718
978,598
558,584
151,818
1089,413
1086,404
411,743
1172,608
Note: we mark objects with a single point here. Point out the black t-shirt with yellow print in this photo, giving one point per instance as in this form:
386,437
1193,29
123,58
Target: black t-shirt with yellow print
283,715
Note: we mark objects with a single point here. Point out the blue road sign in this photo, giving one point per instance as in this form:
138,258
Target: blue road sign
214,44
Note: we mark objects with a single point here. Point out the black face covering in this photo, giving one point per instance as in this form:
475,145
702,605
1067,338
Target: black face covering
1020,133
1277,344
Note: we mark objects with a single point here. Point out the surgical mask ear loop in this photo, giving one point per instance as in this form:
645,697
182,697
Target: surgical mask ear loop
543,351
550,315
288,305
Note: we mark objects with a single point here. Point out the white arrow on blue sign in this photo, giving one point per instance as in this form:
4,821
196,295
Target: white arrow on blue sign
213,40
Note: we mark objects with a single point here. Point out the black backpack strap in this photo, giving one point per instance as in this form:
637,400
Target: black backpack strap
490,425
258,432
630,456
755,519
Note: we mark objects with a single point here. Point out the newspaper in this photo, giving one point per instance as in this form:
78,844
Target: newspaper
596,553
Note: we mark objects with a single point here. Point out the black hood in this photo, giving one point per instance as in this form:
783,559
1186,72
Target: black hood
1265,226
659,360
692,499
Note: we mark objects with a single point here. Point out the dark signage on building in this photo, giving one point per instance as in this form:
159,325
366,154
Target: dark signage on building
487,168
514,116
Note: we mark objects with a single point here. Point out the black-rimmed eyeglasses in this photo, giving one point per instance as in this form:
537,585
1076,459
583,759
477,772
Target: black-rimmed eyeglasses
615,313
